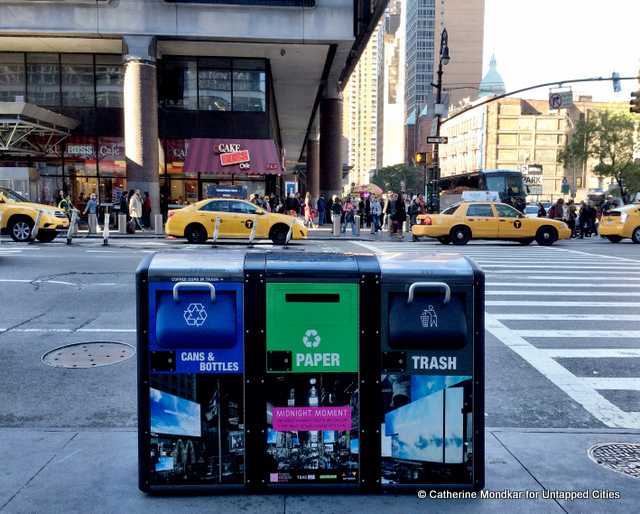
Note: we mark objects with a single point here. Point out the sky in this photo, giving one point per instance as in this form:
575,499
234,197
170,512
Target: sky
543,41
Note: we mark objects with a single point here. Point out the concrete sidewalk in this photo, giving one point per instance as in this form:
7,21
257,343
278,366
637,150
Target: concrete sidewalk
95,471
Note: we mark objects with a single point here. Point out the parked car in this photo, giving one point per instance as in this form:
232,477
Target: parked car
197,222
462,222
19,217
620,223
531,211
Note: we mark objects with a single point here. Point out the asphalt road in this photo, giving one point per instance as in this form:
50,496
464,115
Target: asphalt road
562,327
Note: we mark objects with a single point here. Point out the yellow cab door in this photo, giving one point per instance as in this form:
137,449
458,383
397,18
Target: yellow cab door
244,215
482,220
210,211
511,222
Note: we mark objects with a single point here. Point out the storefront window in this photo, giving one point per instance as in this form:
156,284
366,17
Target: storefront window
109,81
180,84
214,90
43,80
249,91
111,159
77,80
12,77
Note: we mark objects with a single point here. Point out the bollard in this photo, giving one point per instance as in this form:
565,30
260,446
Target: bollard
122,224
407,225
253,231
34,231
72,226
93,223
356,222
216,231
290,232
159,228
105,230
336,225
373,226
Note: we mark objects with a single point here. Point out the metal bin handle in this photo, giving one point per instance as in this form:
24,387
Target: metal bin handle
193,285
430,285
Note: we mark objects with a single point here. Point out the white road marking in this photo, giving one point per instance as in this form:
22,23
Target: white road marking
584,334
579,390
568,317
615,294
595,353
560,284
498,303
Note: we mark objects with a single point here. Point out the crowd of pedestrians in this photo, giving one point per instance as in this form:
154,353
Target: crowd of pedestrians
582,219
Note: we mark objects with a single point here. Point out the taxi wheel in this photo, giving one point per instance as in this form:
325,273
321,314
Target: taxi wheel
615,239
20,229
460,235
445,240
195,233
546,236
636,235
279,234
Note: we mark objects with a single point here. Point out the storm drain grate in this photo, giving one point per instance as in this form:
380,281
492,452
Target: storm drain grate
88,355
622,458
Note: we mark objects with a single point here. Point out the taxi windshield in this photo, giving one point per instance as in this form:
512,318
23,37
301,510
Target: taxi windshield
12,196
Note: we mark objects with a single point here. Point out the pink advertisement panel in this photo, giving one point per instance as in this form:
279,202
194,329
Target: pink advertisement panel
311,418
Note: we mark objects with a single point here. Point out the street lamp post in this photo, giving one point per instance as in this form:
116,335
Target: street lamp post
444,59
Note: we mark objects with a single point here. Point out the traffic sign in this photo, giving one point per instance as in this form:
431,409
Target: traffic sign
561,100
437,140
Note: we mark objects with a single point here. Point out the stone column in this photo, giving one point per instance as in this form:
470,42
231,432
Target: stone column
313,166
141,117
331,145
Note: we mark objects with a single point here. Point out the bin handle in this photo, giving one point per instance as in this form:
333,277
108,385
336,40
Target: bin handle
193,285
430,285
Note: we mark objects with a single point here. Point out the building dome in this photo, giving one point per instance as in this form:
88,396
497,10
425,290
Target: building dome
492,83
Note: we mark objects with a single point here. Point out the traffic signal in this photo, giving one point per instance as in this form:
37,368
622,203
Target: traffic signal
635,102
423,158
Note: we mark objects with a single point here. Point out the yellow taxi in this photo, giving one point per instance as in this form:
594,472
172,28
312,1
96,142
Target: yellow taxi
621,222
464,221
19,217
197,222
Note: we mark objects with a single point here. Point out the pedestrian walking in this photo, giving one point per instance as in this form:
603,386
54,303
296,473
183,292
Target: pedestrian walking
349,211
124,204
146,209
401,215
376,210
92,208
135,207
414,211
321,208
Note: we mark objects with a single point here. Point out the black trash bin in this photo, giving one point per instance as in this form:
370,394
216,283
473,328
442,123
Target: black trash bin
432,360
190,372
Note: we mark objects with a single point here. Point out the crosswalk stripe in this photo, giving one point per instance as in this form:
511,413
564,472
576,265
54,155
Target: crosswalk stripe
499,303
582,334
566,317
559,293
594,353
559,284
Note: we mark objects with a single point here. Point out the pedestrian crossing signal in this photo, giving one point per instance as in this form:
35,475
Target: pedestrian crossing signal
423,158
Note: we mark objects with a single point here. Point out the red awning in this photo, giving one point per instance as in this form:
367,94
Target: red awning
249,156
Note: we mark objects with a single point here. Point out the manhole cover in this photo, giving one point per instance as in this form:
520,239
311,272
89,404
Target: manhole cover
622,458
88,355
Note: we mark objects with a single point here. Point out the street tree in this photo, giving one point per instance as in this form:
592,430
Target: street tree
610,138
390,178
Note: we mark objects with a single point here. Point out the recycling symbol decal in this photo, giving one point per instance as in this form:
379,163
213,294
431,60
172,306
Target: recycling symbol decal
195,315
308,343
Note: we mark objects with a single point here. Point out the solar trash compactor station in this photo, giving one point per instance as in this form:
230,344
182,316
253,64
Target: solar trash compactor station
279,372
